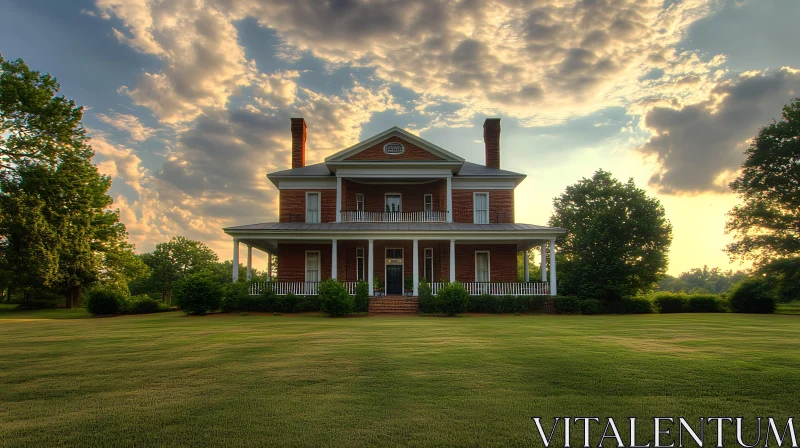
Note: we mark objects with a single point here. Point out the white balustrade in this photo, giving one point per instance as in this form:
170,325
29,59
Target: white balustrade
361,216
500,289
296,288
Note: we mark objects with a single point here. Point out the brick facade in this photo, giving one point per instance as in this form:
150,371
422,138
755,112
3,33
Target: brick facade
293,205
501,206
502,260
411,152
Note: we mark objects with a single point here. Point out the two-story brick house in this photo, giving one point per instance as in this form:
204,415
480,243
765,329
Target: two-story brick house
396,206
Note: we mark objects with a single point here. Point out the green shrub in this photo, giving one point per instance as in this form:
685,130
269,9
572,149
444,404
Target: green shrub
636,305
362,297
483,303
287,303
144,304
427,301
198,294
408,283
590,306
670,302
334,299
752,295
705,303
236,297
510,304
567,305
535,304
42,298
305,304
103,301
452,299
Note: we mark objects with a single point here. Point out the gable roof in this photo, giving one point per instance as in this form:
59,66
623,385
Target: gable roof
470,169
394,131
315,170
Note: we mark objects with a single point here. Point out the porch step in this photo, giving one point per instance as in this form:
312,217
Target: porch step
394,306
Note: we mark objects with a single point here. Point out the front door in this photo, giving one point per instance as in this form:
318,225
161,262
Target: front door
394,279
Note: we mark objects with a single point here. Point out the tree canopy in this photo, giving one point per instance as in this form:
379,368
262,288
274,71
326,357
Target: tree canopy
766,225
174,259
36,125
702,280
617,239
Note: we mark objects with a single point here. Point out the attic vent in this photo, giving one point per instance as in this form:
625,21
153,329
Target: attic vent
394,148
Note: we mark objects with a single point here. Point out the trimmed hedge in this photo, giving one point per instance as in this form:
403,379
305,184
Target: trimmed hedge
636,305
267,302
567,305
144,304
590,306
669,302
674,302
706,303
506,304
752,295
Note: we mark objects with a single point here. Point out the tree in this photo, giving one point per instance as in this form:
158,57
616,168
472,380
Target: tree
173,260
617,239
36,126
58,225
766,225
702,280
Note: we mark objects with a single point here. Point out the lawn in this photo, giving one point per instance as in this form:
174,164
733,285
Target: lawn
170,380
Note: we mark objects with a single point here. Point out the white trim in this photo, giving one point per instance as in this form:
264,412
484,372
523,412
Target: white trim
401,151
371,267
425,263
415,272
307,184
553,285
385,196
319,207
338,199
380,172
363,263
393,132
362,202
452,260
386,269
319,266
334,259
449,200
475,210
488,265
424,201
483,184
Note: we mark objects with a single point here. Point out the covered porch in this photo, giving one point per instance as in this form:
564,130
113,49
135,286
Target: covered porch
484,258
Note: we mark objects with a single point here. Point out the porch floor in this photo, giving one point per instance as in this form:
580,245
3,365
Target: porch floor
394,305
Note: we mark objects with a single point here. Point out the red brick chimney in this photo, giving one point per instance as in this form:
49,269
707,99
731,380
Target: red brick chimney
491,138
298,142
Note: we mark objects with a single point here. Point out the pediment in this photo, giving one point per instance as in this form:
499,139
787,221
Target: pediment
394,144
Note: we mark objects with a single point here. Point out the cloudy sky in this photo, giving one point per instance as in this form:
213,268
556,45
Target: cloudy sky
188,101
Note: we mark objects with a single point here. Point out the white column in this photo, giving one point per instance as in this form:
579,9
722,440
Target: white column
415,277
449,200
525,263
452,260
370,268
249,262
553,291
544,262
269,267
235,260
334,258
338,200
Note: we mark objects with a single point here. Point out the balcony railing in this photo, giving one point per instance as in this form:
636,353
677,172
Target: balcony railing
296,288
501,289
362,216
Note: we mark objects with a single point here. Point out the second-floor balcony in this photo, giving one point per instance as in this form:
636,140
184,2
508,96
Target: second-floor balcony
421,216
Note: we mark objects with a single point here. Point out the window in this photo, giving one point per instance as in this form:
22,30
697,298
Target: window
393,203
482,266
481,208
428,203
394,253
312,266
360,202
312,207
428,269
360,264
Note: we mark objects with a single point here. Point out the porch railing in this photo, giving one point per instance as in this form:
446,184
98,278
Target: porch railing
362,216
501,289
296,288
